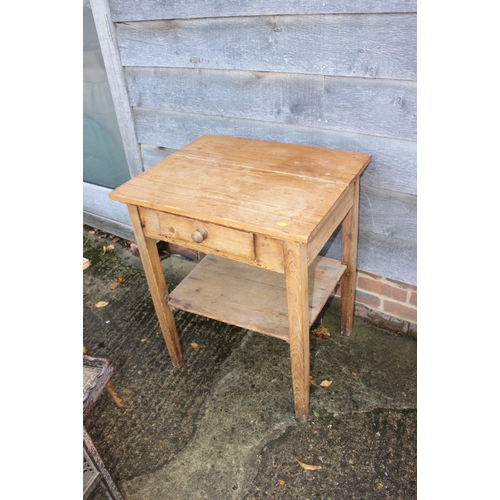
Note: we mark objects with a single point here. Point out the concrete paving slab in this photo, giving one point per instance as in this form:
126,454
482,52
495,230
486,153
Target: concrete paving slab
223,426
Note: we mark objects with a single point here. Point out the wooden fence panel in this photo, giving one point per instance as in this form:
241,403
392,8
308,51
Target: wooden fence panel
390,257
366,46
132,10
151,155
385,108
331,73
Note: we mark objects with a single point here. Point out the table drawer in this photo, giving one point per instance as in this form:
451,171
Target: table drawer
202,236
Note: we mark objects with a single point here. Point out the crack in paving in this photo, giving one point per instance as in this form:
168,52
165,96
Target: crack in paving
241,414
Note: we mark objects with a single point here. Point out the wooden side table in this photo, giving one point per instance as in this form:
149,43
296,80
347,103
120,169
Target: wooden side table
262,211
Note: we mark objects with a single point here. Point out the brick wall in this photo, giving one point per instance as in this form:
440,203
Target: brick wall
387,303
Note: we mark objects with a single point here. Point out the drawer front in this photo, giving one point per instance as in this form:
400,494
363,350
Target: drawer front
202,236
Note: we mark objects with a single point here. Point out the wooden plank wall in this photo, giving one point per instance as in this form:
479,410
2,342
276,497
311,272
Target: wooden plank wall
339,74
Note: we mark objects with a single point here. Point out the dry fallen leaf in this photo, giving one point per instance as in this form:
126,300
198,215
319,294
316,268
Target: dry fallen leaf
353,373
91,231
322,332
107,248
101,304
309,467
115,239
281,482
194,345
311,379
121,279
113,285
326,383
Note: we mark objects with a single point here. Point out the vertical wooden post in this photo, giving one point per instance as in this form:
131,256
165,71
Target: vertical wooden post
106,32
349,258
297,298
157,286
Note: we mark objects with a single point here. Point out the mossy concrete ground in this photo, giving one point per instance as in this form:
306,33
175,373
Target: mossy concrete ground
223,426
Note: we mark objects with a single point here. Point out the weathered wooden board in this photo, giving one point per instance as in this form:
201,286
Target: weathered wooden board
393,164
365,46
151,155
385,108
388,213
390,257
132,10
250,297
117,85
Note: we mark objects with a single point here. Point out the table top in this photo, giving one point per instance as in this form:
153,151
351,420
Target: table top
276,189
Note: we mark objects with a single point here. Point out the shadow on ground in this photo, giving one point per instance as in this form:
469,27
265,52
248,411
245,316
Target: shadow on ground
223,426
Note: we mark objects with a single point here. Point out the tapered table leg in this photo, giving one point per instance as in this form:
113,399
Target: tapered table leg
297,297
349,258
157,286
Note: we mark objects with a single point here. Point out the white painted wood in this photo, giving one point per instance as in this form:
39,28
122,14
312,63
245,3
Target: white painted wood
131,10
107,40
367,46
385,108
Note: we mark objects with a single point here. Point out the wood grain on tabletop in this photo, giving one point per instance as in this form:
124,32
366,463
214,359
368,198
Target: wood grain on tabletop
257,297
260,186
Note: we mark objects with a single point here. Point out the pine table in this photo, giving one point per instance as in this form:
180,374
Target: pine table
261,211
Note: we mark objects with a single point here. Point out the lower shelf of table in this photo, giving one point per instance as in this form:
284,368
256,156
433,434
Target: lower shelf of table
250,297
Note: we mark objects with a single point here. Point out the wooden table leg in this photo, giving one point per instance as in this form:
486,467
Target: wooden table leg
349,258
297,297
157,286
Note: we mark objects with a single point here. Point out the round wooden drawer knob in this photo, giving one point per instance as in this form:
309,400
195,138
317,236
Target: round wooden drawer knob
199,235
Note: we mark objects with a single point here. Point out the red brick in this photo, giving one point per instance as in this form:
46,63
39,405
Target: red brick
413,298
367,299
369,284
400,310
382,289
395,293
